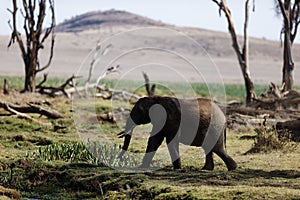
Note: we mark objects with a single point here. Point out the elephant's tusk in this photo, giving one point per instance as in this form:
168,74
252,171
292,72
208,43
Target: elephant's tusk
121,134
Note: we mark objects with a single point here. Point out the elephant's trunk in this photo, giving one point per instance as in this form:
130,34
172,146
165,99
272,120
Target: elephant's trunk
126,142
130,125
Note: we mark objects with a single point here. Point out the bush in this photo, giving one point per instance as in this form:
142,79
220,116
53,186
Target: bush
267,140
68,152
92,152
107,154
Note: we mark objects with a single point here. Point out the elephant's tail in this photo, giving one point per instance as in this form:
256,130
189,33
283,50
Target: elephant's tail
225,137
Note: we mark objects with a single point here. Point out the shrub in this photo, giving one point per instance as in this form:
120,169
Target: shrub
68,152
92,152
267,140
107,154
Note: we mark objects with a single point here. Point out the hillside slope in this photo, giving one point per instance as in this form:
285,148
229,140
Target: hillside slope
214,42
98,19
76,37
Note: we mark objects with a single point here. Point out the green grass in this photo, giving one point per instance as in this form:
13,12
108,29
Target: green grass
17,83
45,163
233,91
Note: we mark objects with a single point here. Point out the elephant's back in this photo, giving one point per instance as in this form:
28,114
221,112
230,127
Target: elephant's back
195,119
198,116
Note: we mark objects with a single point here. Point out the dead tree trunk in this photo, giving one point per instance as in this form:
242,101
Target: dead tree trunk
34,13
288,65
150,89
291,20
6,87
242,55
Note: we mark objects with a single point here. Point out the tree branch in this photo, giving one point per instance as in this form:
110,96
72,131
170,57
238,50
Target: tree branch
296,12
283,11
41,17
223,6
15,33
54,91
48,31
25,26
30,23
43,81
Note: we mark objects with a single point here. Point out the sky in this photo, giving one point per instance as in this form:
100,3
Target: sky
193,13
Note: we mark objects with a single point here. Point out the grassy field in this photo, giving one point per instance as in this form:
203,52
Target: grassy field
52,163
233,91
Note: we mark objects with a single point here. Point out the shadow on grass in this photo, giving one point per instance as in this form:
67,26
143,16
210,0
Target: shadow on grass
251,177
104,179
83,180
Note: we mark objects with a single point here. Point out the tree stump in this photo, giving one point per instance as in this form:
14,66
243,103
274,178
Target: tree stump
292,126
6,87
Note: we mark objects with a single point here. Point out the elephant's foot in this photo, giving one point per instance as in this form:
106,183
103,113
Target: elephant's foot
208,167
232,165
177,164
209,162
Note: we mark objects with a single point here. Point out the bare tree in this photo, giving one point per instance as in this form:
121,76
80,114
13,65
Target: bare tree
150,89
290,11
5,87
242,54
33,13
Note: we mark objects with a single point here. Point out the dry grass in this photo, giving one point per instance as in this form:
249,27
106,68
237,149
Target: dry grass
267,140
7,193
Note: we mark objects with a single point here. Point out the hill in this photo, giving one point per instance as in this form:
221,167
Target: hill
214,42
76,37
98,19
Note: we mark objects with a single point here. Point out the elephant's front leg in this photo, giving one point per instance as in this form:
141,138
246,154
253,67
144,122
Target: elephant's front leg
173,147
153,143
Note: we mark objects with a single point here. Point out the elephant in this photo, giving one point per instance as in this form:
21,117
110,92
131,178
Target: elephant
195,122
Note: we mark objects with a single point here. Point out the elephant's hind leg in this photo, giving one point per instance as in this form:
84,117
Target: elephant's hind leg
230,163
209,162
173,147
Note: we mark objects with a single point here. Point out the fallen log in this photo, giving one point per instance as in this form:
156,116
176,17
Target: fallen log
260,113
249,111
22,115
46,112
250,120
276,99
56,91
291,126
31,108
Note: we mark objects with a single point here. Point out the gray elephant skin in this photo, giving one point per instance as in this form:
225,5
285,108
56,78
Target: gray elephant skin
194,122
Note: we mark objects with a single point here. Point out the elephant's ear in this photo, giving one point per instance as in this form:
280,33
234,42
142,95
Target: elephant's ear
172,107
145,103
